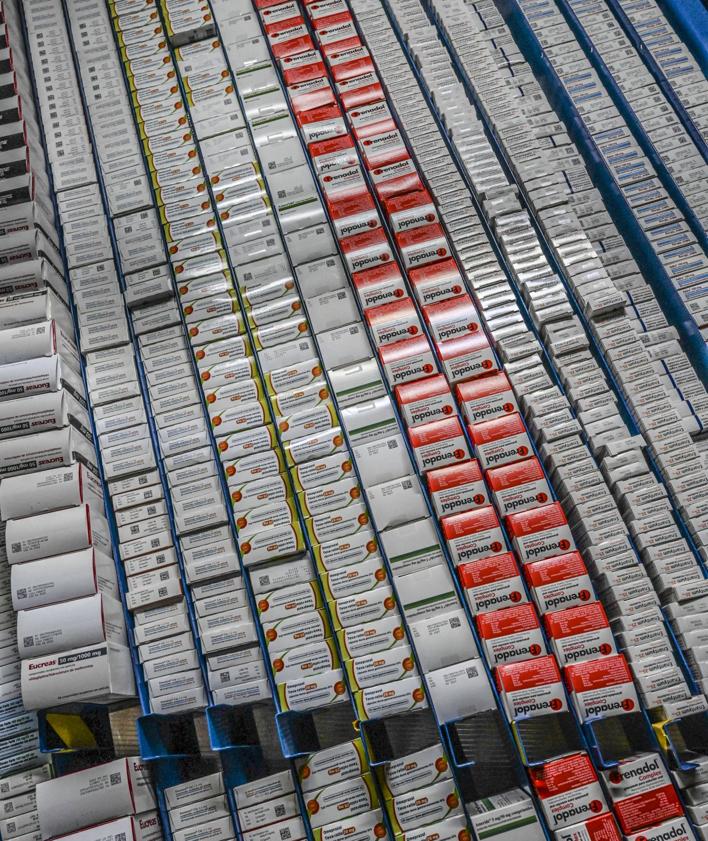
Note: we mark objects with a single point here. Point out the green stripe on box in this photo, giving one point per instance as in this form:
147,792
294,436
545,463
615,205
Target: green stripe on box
507,827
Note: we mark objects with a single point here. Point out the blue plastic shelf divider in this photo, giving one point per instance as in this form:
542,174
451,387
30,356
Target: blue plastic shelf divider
690,19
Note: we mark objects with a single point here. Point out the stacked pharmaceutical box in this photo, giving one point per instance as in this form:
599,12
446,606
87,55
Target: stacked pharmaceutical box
56,539
100,256
113,800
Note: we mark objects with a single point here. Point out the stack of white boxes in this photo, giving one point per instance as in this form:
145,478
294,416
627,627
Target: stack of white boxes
62,578
197,810
113,801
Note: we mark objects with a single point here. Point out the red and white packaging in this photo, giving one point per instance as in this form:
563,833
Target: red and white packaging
540,533
652,807
559,582
438,443
677,830
635,776
492,583
392,322
412,210
408,360
345,183
395,178
381,285
366,251
291,40
602,687
280,29
313,93
511,635
569,790
452,318
532,688
473,534
466,357
370,120
349,62
425,400
602,828
354,215
501,441
457,488
336,29
359,90
423,245
303,67
381,149
519,486
580,633
322,123
487,397
278,16
330,155
437,281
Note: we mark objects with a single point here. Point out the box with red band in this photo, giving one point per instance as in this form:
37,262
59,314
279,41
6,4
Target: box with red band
328,155
423,245
438,443
457,488
473,534
532,688
492,583
425,400
580,633
466,357
519,487
436,282
452,318
569,790
602,828
510,635
487,397
366,251
540,533
412,210
559,582
500,441
393,322
381,285
407,360
602,687
347,62
354,215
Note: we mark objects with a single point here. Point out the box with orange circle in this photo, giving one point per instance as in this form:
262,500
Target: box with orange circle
289,601
424,806
309,693
304,661
252,495
335,524
363,607
341,800
371,637
381,667
307,422
282,635
331,496
390,699
343,552
271,532
322,471
357,578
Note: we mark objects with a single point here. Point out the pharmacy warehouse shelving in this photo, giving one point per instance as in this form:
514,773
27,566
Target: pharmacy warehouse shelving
353,420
